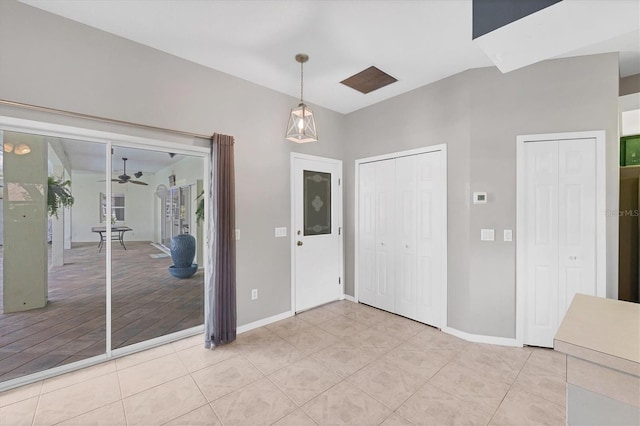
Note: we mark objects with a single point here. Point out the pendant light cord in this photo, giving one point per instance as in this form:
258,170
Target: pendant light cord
301,81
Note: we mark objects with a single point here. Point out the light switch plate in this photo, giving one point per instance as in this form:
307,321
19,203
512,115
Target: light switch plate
487,235
508,235
237,234
281,232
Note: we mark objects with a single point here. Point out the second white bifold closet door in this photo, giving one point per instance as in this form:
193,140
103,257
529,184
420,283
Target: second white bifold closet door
401,233
559,232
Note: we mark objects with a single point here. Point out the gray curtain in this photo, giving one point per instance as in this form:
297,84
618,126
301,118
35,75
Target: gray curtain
220,293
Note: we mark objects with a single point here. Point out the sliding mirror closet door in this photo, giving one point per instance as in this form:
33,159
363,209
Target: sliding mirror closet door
52,286
154,206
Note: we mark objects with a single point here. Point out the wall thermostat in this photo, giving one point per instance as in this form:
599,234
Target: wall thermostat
479,198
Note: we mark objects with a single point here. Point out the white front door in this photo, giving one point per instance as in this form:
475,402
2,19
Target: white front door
317,229
559,232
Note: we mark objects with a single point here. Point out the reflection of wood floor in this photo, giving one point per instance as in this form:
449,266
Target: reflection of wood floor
147,302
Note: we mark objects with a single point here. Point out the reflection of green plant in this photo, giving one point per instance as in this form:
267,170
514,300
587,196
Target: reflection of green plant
200,209
58,195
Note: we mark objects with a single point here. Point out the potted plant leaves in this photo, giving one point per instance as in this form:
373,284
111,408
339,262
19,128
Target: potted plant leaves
58,195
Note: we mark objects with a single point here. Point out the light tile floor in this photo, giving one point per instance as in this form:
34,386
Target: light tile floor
339,364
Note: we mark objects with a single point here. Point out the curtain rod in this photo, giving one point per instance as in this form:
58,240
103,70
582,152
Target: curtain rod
102,119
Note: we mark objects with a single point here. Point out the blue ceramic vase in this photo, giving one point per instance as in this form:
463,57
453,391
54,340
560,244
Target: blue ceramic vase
183,251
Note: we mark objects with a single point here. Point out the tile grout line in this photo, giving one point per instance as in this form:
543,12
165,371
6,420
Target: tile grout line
218,363
155,386
288,397
509,390
308,356
33,419
546,375
126,419
207,403
379,358
124,411
81,381
427,382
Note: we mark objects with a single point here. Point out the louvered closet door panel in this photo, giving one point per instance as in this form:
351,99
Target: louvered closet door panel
429,229
405,212
385,234
577,220
541,248
367,282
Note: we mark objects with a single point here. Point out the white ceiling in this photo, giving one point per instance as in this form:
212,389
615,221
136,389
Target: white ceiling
91,157
568,28
418,42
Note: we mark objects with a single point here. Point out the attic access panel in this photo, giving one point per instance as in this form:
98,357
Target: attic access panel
369,80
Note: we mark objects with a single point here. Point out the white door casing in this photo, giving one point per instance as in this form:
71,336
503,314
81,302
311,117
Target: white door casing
401,233
560,219
317,261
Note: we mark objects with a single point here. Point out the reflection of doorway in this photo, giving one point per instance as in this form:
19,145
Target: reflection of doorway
176,218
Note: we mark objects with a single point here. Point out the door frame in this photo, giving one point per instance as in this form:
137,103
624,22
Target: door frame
292,225
443,170
601,236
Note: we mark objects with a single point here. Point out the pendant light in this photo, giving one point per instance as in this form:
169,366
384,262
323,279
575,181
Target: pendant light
302,125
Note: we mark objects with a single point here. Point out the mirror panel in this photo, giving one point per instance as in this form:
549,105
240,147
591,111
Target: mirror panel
154,203
52,286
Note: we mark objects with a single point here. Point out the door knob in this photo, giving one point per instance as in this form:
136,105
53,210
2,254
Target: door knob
299,243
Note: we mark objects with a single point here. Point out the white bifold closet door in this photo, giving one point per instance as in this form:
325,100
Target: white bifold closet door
560,232
401,236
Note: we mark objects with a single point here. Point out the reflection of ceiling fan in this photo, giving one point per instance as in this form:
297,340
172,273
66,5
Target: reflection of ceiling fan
125,178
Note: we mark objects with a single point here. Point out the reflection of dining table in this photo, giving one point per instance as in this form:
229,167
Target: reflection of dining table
117,233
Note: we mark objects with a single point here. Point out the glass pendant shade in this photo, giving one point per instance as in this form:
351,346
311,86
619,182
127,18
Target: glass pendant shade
302,125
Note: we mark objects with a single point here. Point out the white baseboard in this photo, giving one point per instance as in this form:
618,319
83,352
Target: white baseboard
349,298
479,338
265,321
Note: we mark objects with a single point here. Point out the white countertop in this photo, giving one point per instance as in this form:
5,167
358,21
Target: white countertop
604,331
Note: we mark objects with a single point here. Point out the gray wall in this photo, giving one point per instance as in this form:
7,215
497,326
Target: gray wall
51,61
630,84
431,115
479,113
